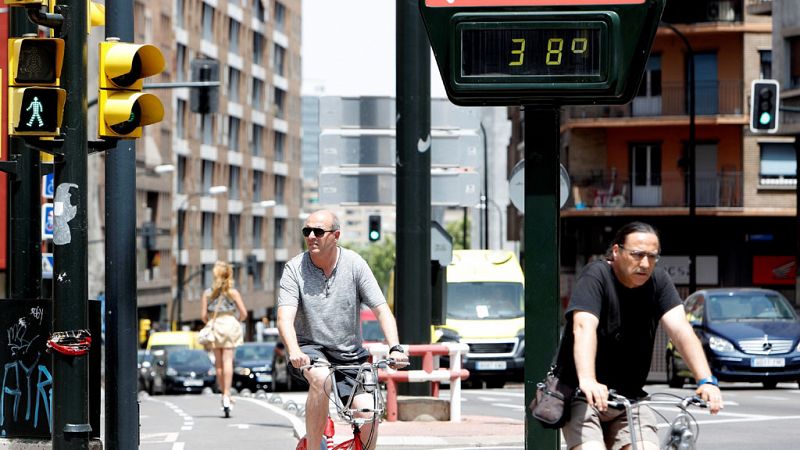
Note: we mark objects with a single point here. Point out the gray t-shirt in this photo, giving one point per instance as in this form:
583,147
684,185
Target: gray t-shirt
328,309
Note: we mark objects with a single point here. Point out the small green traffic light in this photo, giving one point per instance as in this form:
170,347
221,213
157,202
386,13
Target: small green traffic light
765,118
374,235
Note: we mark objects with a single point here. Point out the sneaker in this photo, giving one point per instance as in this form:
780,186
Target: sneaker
226,402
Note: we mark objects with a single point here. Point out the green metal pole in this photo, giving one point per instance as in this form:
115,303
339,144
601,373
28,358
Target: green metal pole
71,426
541,260
413,304
25,236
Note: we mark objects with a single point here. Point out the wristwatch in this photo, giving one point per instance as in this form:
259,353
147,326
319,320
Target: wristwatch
397,348
711,379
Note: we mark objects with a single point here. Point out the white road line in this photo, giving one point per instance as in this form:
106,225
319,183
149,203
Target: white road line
771,398
178,446
752,419
298,425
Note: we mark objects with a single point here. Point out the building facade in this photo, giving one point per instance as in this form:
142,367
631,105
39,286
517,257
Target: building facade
235,191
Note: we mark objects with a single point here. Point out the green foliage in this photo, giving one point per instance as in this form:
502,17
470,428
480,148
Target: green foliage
456,230
380,256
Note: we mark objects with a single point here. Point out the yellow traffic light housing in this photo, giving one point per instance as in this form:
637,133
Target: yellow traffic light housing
26,2
123,108
35,101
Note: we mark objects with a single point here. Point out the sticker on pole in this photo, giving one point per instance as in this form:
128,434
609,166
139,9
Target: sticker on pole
48,224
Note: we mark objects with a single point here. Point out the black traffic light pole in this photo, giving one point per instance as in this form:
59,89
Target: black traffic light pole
122,406
71,426
413,287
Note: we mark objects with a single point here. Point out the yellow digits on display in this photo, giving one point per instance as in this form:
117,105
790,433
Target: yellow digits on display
520,52
579,45
554,47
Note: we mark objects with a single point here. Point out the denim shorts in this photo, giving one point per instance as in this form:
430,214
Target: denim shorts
345,379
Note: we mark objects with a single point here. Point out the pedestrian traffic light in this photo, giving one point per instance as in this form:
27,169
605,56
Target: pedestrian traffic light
35,101
122,108
764,101
374,230
144,330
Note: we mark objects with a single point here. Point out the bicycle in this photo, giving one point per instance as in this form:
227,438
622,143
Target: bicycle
366,379
683,429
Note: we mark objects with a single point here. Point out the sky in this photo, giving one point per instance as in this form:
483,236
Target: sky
348,48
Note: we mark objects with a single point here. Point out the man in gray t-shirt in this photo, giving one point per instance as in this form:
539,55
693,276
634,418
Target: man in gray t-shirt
319,303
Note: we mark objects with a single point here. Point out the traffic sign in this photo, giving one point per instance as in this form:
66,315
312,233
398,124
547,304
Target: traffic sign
545,52
48,224
47,185
47,266
441,245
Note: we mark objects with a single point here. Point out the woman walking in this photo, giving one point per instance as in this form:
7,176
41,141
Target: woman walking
219,304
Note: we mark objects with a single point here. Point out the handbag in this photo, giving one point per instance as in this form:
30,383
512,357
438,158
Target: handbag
552,403
206,336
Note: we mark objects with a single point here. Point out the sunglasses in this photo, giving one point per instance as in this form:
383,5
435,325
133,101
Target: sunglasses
318,232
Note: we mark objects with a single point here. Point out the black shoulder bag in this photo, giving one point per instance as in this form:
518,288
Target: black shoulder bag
552,403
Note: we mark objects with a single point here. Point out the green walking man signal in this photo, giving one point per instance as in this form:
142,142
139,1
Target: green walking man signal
764,106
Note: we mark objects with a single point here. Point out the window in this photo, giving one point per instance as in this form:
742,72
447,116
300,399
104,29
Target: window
651,80
208,175
280,103
646,160
233,84
180,119
279,60
280,146
233,133
208,128
208,275
765,61
181,174
208,230
180,57
258,276
233,36
258,231
179,13
233,183
794,61
280,187
778,164
258,48
258,10
257,98
258,140
280,225
233,228
258,183
208,22
280,17
181,226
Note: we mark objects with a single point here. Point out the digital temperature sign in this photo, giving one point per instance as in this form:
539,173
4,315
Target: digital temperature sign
541,52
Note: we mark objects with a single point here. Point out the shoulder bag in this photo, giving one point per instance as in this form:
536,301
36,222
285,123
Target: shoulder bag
552,403
206,335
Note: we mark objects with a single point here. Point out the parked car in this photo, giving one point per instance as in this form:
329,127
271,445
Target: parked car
748,334
183,370
144,362
252,365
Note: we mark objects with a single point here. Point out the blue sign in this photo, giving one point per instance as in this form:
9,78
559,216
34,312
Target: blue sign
47,221
47,186
47,266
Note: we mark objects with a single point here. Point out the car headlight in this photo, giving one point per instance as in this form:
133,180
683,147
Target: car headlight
243,371
719,344
171,372
798,347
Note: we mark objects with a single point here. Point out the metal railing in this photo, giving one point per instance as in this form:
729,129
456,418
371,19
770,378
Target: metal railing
713,98
601,190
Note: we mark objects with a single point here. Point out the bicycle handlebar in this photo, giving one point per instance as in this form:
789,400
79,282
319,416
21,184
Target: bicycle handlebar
617,401
379,364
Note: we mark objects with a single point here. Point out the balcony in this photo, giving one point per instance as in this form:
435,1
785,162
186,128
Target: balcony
722,97
759,7
708,11
601,191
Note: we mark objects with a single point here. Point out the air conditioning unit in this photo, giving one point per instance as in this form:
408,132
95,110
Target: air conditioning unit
720,11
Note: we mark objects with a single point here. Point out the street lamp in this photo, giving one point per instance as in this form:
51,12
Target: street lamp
177,304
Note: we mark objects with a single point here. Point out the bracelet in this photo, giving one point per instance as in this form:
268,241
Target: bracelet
397,348
711,379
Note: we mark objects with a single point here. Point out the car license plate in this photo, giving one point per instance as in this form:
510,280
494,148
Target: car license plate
193,382
263,378
768,362
490,365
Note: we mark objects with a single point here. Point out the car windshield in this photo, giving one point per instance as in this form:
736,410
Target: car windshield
490,300
755,306
371,331
188,358
254,352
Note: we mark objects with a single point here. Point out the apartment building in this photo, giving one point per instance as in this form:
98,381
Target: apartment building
631,162
235,191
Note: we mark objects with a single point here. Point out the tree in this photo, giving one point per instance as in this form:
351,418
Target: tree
381,258
456,230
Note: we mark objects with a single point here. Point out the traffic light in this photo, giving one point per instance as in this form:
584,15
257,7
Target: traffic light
374,230
764,101
144,330
204,99
26,2
123,109
35,101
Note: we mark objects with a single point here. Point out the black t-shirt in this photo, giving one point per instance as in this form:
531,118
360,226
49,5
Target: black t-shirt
625,338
